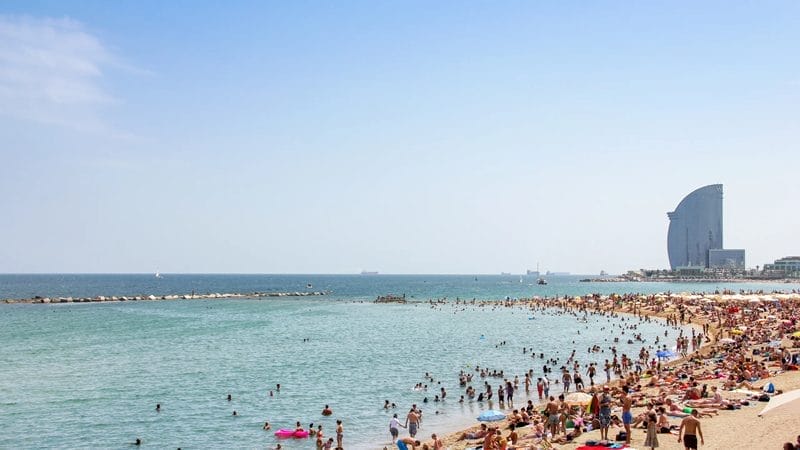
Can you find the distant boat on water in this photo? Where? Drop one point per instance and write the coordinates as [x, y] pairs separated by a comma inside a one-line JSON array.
[[505, 273], [309, 286], [158, 274], [367, 272], [541, 281]]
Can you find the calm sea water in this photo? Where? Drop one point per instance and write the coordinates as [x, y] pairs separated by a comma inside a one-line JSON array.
[[90, 375]]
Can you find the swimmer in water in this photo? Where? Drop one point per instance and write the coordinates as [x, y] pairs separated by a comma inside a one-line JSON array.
[[267, 426], [158, 407], [326, 411]]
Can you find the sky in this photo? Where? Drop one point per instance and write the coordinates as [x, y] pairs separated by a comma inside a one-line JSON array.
[[401, 137]]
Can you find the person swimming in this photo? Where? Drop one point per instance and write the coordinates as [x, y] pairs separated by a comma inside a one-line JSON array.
[[326, 411]]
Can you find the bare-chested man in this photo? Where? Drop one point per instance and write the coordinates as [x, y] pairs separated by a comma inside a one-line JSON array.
[[553, 416], [627, 417], [412, 422], [404, 443], [690, 429]]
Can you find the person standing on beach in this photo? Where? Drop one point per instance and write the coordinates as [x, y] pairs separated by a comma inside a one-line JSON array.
[[412, 422], [627, 417], [652, 437], [339, 434], [546, 386], [540, 387], [394, 424], [553, 416], [692, 429], [566, 378], [605, 413]]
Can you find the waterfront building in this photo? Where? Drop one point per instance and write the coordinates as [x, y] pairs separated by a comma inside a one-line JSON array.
[[719, 258], [695, 227], [694, 239], [788, 266]]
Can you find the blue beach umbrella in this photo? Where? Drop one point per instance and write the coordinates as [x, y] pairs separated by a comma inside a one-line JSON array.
[[491, 415], [665, 354]]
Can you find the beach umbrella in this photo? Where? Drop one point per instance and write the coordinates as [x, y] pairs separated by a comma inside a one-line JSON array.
[[577, 398], [737, 332], [491, 416], [787, 402], [726, 341], [796, 334], [665, 354]]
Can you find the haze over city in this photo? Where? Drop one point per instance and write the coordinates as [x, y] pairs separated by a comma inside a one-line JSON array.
[[413, 137]]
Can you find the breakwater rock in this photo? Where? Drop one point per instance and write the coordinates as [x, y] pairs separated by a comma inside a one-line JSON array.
[[193, 296]]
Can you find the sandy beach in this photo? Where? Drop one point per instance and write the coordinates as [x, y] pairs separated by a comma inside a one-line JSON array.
[[740, 329]]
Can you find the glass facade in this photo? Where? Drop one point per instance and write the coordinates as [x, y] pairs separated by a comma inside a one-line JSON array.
[[725, 258], [695, 227]]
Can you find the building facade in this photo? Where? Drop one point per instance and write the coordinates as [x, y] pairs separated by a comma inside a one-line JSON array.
[[695, 227], [787, 267], [719, 258]]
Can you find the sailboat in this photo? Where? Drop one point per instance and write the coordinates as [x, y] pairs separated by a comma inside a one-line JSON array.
[[158, 274]]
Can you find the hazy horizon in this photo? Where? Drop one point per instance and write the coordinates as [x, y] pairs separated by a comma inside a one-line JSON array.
[[409, 138]]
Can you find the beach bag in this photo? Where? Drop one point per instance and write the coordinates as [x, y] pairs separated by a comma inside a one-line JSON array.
[[621, 436]]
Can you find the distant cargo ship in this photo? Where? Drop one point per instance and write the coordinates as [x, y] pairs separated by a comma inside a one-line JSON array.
[[505, 273], [532, 273], [557, 274], [367, 272]]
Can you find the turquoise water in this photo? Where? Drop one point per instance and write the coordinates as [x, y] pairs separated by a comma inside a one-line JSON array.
[[90, 375]]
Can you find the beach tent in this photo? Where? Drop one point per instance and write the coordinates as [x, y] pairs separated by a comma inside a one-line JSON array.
[[787, 402], [577, 398], [491, 415]]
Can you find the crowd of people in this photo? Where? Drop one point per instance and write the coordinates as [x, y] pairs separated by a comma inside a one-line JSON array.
[[744, 340]]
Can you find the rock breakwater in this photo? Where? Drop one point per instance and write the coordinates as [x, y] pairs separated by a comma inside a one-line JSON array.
[[192, 296]]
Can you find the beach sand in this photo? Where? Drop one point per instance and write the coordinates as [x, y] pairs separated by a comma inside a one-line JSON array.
[[730, 429]]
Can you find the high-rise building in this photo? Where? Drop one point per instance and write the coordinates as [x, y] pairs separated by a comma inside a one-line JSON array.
[[695, 227]]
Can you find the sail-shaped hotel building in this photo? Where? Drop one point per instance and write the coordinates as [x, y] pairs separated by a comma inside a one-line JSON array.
[[694, 238]]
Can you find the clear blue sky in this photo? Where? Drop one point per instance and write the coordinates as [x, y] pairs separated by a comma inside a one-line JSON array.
[[404, 137]]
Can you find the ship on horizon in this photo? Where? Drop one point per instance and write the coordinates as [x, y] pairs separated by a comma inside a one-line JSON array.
[[369, 272]]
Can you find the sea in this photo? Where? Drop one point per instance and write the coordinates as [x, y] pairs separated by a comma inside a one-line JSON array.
[[89, 375]]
